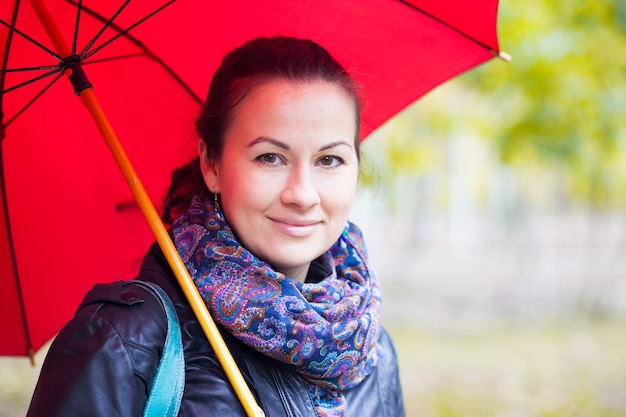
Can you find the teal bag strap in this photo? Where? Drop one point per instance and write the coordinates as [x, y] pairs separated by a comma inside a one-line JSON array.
[[167, 389]]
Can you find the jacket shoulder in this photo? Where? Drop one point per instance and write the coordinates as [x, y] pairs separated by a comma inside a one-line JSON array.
[[379, 394], [133, 312], [105, 358]]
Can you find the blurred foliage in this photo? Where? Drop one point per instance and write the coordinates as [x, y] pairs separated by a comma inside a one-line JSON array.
[[558, 106]]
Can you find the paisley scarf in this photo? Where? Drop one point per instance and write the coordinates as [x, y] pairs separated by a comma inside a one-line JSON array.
[[326, 331]]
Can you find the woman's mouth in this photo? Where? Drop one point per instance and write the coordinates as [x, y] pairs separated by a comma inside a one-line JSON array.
[[296, 228]]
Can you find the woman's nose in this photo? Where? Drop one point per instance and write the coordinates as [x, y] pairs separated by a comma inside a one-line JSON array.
[[300, 189]]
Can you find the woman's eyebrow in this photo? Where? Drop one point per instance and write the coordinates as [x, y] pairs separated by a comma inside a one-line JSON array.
[[265, 139], [335, 144], [283, 145]]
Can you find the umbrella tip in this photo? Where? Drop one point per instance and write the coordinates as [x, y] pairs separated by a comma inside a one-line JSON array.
[[500, 54], [504, 56], [31, 355]]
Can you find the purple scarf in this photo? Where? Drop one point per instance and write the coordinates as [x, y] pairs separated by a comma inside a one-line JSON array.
[[326, 331]]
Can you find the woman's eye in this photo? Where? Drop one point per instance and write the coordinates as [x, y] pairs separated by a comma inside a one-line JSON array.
[[269, 158], [330, 161]]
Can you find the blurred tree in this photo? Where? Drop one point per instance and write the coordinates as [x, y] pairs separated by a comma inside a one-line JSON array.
[[560, 103]]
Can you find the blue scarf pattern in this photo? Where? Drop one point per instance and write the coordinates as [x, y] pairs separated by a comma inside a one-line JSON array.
[[327, 331]]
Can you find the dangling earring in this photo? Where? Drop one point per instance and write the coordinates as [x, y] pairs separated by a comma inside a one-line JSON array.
[[216, 206], [216, 203]]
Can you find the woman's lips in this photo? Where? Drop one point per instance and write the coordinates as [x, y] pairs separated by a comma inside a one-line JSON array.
[[296, 228]]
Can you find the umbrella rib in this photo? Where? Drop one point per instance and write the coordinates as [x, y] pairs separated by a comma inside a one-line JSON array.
[[114, 58], [76, 26], [27, 105], [18, 287], [23, 69], [5, 59], [457, 30], [12, 29], [5, 208], [125, 31], [148, 52], [32, 80], [108, 23]]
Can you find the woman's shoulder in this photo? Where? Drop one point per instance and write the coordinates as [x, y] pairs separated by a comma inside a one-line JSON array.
[[129, 313], [380, 394], [388, 357], [121, 304], [105, 358]]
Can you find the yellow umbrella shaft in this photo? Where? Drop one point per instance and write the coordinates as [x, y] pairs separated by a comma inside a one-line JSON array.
[[145, 204]]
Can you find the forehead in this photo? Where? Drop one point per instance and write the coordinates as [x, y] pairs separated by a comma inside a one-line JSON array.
[[281, 88], [285, 104]]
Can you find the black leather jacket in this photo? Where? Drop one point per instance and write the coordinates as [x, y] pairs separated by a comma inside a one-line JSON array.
[[103, 361]]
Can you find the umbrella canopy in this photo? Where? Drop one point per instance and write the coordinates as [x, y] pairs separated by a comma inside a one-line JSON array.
[[68, 218]]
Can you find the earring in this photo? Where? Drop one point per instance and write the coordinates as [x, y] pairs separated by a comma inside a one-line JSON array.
[[216, 204]]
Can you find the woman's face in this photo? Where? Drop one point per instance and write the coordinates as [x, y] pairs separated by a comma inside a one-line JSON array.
[[288, 172]]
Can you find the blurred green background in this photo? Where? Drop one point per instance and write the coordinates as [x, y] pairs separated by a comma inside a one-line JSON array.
[[494, 210]]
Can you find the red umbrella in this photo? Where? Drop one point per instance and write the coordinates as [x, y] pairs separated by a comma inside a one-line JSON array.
[[69, 219]]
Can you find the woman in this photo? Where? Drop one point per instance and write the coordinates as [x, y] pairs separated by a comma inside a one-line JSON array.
[[260, 219]]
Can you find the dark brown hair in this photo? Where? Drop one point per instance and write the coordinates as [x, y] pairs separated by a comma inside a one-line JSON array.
[[244, 68]]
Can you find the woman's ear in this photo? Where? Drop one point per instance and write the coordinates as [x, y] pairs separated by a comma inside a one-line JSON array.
[[209, 168]]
